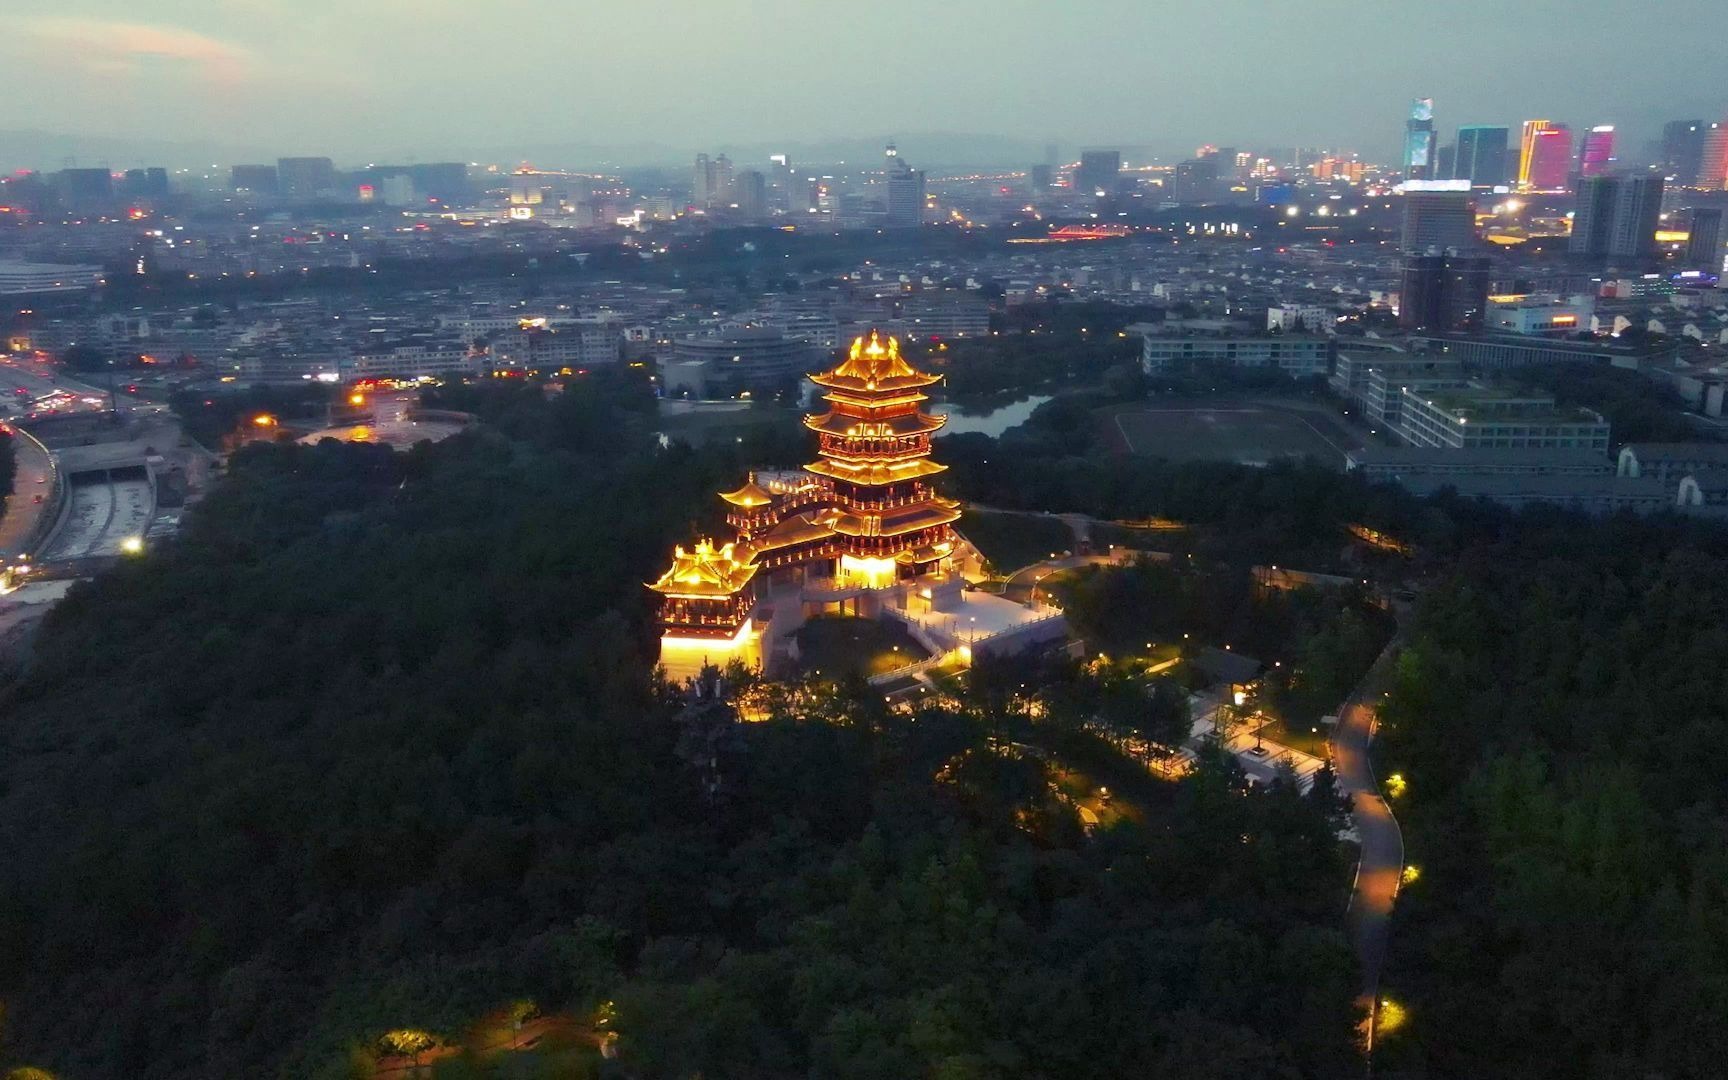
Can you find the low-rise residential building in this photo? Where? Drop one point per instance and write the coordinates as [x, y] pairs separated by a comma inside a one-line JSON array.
[[1481, 416], [412, 358], [1704, 491], [730, 363], [554, 344], [1594, 494], [1398, 463], [1669, 462], [1310, 317], [943, 317], [1296, 355], [1540, 315], [25, 278], [1383, 388], [1495, 351]]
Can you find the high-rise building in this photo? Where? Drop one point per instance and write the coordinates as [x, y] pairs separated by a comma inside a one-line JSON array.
[[1098, 172], [258, 179], [1196, 180], [1419, 155], [723, 178], [444, 181], [906, 192], [305, 177], [1446, 161], [1481, 155], [1546, 160], [1616, 217], [1593, 217], [1444, 293], [702, 181], [85, 186], [398, 189], [1713, 158], [1043, 176], [1437, 221], [145, 182], [1682, 151], [1597, 153], [1527, 149], [1704, 238], [750, 193]]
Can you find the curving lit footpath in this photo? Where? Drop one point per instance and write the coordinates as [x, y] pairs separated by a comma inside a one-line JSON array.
[[1382, 861]]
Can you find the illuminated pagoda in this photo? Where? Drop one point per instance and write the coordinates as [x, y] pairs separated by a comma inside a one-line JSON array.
[[849, 532]]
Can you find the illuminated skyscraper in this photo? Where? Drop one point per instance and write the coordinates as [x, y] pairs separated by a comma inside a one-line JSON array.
[[1713, 158], [1598, 151], [1481, 155], [1527, 148], [1419, 141], [1547, 156]]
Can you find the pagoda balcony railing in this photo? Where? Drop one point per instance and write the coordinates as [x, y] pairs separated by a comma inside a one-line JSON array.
[[834, 588], [800, 499], [876, 506], [718, 627]]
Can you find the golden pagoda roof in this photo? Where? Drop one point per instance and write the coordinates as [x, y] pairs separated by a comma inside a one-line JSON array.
[[795, 530], [927, 553], [913, 423], [899, 521], [705, 572], [874, 365], [875, 472], [750, 496]]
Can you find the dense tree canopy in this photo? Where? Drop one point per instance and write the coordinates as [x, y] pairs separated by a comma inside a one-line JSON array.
[[1555, 719], [375, 748]]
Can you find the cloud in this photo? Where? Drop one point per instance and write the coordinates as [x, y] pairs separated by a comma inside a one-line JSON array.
[[111, 47]]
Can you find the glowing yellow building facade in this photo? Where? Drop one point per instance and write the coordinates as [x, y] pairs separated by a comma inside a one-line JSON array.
[[861, 517]]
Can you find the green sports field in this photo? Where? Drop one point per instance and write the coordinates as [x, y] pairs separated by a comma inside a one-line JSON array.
[[1238, 431]]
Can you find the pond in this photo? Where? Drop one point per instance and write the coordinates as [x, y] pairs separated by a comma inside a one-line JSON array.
[[993, 422]]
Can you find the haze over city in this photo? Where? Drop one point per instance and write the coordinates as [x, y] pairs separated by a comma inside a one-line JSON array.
[[641, 83], [958, 540]]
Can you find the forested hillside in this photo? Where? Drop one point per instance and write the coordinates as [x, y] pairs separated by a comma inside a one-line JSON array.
[[376, 746], [1556, 719]]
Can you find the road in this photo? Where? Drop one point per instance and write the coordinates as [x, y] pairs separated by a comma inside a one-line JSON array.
[[31, 387], [102, 517], [1382, 862], [18, 523]]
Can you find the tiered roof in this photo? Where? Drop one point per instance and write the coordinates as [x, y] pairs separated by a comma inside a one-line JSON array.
[[705, 572], [874, 366], [876, 394]]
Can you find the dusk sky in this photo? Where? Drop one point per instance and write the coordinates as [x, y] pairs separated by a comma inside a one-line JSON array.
[[463, 77]]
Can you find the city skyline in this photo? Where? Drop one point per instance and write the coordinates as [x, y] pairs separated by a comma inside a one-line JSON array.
[[438, 79]]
